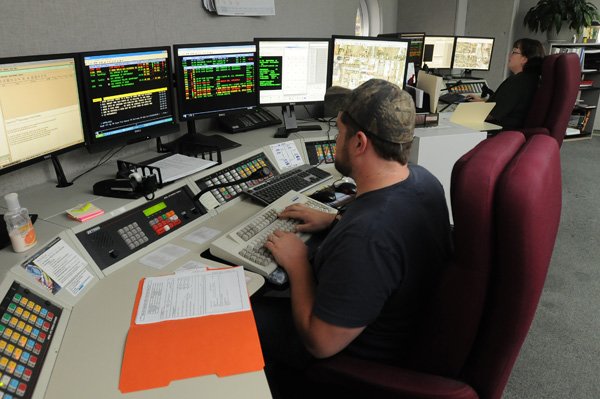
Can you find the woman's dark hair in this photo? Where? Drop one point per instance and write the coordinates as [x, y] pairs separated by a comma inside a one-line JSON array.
[[534, 51]]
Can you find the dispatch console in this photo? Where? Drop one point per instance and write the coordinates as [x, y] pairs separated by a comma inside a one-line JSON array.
[[113, 240]]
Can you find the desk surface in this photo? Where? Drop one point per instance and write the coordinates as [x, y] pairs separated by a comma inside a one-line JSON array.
[[89, 358]]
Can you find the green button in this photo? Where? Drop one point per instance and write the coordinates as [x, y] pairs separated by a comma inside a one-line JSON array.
[[6, 318], [17, 297], [2, 328], [12, 307]]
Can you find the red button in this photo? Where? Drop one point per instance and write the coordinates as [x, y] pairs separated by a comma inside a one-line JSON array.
[[50, 316], [31, 363], [37, 348], [42, 337], [27, 374]]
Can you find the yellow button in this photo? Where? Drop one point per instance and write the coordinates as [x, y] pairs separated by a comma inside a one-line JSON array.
[[10, 369]]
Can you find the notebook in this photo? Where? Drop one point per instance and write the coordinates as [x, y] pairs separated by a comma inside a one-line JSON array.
[[473, 114]]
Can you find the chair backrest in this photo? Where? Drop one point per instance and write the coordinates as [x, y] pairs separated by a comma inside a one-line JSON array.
[[443, 347], [541, 101], [527, 214], [555, 98]]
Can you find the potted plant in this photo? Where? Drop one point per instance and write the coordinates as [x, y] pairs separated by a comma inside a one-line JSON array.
[[551, 16]]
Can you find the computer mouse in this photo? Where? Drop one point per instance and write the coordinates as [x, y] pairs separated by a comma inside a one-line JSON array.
[[325, 195], [346, 188]]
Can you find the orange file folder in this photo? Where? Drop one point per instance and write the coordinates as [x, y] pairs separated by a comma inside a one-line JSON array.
[[158, 353]]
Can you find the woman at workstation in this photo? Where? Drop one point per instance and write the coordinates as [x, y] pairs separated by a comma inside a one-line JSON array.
[[514, 96]]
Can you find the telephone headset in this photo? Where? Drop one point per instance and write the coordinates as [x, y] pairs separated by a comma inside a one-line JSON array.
[[132, 187]]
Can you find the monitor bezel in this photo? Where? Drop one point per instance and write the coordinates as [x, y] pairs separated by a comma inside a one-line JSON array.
[[290, 39], [473, 37], [451, 56], [48, 155], [179, 81], [363, 38], [97, 145]]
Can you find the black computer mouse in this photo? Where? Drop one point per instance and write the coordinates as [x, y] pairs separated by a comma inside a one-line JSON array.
[[325, 195], [346, 188]]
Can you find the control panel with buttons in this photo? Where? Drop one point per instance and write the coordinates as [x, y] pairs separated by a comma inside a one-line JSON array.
[[234, 173], [26, 330], [124, 234]]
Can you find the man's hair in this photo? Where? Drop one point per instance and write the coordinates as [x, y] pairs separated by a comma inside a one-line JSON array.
[[385, 149]]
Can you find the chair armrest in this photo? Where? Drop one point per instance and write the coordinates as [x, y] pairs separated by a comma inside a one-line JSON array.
[[350, 371], [530, 131]]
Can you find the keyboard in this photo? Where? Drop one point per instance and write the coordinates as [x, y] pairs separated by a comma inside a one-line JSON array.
[[244, 244], [254, 118], [297, 179], [452, 98]]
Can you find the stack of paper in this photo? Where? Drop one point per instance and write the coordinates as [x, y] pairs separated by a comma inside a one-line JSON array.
[[83, 212]]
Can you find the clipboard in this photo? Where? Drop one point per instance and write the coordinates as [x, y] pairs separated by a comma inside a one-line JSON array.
[[158, 353]]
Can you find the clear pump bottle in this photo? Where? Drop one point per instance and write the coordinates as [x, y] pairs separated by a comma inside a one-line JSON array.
[[18, 223]]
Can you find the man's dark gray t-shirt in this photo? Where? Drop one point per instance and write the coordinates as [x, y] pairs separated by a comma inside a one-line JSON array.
[[378, 265]]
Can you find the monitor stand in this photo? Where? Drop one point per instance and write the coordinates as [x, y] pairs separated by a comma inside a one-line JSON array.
[[60, 174], [290, 124], [193, 139]]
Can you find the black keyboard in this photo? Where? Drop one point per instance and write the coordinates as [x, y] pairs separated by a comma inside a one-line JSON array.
[[255, 118], [453, 98], [298, 179]]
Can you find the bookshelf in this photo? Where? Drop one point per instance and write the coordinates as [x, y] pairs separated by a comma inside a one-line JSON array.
[[583, 118]]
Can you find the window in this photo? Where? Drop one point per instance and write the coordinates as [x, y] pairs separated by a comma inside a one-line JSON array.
[[368, 18]]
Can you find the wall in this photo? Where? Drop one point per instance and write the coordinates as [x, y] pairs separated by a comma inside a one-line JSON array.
[[44, 27], [435, 17], [494, 19]]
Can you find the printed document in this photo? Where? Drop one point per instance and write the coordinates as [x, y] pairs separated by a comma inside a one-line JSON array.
[[177, 166], [193, 294]]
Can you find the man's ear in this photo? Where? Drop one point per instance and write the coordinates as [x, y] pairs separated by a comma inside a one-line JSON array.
[[361, 141]]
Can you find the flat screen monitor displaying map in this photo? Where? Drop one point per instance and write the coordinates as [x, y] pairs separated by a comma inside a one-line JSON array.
[[437, 52], [473, 53], [358, 59]]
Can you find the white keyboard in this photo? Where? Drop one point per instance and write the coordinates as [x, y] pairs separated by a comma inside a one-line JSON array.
[[244, 244]]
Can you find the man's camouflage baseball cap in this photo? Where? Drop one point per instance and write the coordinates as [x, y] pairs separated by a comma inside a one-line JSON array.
[[382, 109]]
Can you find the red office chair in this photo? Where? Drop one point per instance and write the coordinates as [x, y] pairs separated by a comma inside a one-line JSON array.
[[510, 219], [555, 98]]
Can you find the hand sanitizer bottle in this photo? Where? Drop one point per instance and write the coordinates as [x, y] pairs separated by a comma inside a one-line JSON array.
[[18, 223]]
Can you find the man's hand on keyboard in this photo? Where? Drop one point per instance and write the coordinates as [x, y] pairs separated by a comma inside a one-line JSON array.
[[287, 249], [312, 220], [474, 98]]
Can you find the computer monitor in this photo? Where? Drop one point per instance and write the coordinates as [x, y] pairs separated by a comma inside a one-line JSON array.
[[128, 96], [40, 115], [289, 72], [357, 59], [437, 52], [415, 49], [214, 79], [473, 53]]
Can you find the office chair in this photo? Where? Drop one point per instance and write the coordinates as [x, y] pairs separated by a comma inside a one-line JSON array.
[[472, 350], [554, 100]]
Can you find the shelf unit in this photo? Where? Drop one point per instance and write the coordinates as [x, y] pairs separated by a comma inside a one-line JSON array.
[[583, 118]]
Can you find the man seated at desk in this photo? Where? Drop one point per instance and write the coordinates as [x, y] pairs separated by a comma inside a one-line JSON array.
[[362, 291]]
